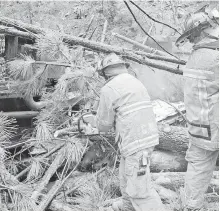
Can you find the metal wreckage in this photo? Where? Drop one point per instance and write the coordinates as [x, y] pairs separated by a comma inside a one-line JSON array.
[[48, 90]]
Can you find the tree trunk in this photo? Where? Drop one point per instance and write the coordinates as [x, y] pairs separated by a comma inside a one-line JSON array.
[[22, 26], [169, 155], [172, 138], [168, 161]]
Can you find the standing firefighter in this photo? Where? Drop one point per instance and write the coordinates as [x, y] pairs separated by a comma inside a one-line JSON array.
[[201, 95], [126, 106]]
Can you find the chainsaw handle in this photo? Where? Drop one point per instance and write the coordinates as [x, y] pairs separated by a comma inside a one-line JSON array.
[[81, 118]]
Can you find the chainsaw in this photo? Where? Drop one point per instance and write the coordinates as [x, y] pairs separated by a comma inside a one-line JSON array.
[[82, 125]]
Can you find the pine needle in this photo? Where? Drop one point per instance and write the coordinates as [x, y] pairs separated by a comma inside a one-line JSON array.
[[21, 197], [92, 194], [44, 131], [36, 171], [8, 128], [21, 69], [73, 151]]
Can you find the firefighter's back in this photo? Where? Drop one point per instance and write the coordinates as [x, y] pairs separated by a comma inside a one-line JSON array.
[[135, 120]]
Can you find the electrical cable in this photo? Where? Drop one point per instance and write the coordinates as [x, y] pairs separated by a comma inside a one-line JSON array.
[[146, 32]]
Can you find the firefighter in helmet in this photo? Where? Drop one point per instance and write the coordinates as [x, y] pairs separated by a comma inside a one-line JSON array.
[[201, 96], [125, 105]]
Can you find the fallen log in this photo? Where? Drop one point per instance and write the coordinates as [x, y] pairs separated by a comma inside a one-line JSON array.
[[173, 138], [49, 173], [161, 58], [168, 161], [22, 26], [128, 54], [99, 47], [139, 45], [175, 180], [14, 32]]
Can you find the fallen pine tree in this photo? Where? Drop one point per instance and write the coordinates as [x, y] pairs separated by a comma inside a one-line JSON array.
[[62, 155], [29, 32]]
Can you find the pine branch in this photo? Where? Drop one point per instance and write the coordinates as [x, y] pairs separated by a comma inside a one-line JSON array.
[[7, 128], [104, 31], [49, 173], [44, 156]]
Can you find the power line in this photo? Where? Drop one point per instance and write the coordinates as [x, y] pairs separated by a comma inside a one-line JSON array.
[[155, 19], [145, 31]]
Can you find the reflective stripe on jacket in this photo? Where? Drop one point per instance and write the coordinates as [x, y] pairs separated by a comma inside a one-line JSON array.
[[201, 96], [125, 105]]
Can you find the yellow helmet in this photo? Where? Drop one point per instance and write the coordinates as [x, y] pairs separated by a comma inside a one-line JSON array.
[[111, 60], [197, 22]]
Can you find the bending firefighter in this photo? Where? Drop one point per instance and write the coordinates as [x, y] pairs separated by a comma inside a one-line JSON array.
[[201, 96], [126, 106]]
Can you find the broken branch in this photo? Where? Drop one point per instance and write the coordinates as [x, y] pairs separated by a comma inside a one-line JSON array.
[[104, 31]]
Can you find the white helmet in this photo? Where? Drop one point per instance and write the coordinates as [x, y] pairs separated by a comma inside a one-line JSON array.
[[197, 22], [111, 60]]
